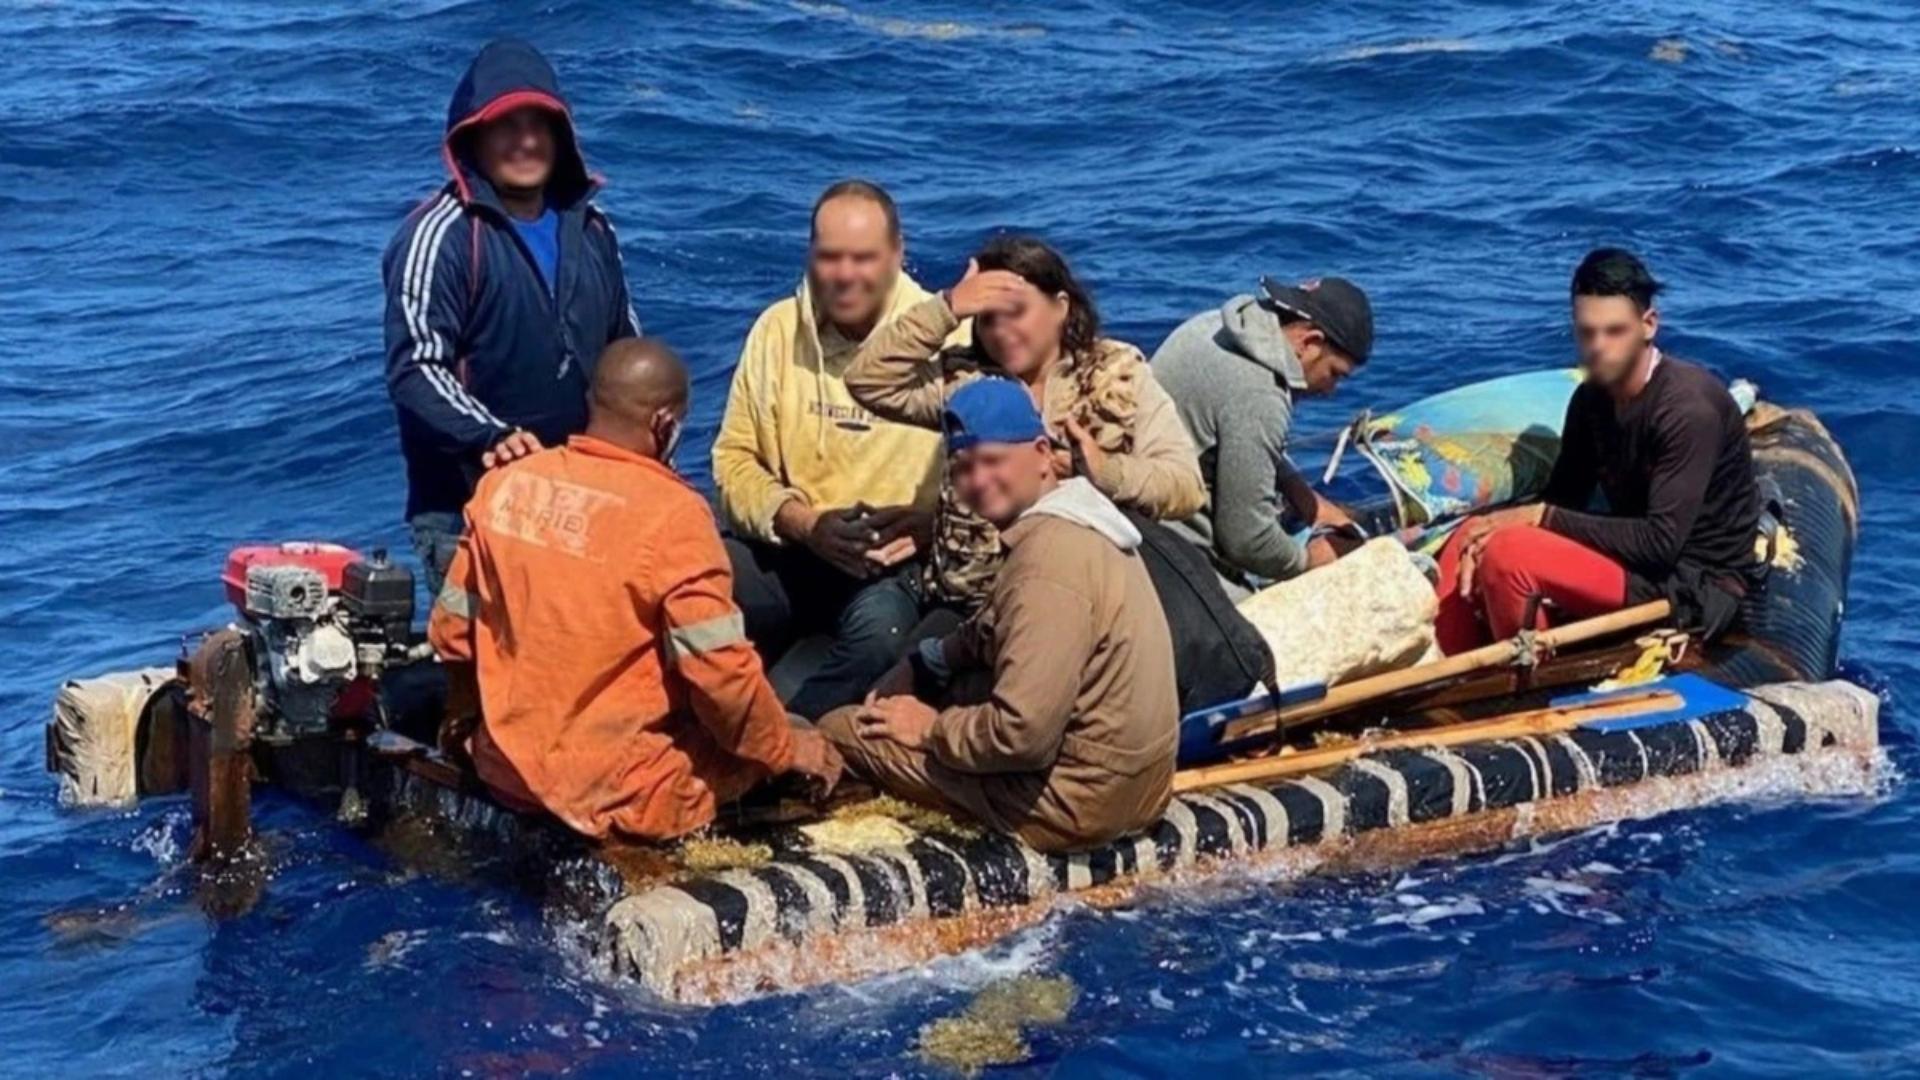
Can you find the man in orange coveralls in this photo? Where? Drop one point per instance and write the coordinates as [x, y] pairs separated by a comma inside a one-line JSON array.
[[592, 601]]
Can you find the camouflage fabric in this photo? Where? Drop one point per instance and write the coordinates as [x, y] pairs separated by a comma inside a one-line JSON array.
[[1107, 395], [1099, 390], [967, 553]]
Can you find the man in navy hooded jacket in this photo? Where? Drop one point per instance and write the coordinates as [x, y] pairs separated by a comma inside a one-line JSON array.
[[502, 290]]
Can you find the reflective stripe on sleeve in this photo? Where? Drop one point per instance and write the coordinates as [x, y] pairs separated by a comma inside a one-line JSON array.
[[456, 600], [704, 637]]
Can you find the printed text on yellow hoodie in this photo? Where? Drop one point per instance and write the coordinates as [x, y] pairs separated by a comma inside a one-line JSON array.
[[792, 430]]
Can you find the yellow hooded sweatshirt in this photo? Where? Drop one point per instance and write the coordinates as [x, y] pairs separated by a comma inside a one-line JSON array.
[[792, 430]]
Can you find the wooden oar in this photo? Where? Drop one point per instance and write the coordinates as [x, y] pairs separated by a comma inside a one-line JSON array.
[[1499, 654], [1534, 722]]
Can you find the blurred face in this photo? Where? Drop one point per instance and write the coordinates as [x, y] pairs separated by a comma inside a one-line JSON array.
[[1028, 336], [999, 481], [515, 152], [1323, 365], [853, 261], [1611, 333]]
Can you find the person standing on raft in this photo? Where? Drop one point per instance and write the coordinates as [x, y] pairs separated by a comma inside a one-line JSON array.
[[590, 601], [1664, 443], [501, 291], [1058, 694]]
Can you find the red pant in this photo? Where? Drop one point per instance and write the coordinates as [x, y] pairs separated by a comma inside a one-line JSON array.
[[1521, 562]]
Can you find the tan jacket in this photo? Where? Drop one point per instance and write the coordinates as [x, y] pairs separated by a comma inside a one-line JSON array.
[[907, 369], [1080, 728]]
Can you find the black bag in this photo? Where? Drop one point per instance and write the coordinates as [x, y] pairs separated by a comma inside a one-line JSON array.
[[1217, 654], [1709, 602]]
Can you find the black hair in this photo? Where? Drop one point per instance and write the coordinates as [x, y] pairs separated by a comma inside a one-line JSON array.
[[1616, 272], [859, 189], [1045, 269]]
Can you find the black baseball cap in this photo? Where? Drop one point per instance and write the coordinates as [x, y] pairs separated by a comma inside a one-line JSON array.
[[1335, 305]]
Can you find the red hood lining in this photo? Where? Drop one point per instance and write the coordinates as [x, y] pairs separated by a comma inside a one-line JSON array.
[[495, 109]]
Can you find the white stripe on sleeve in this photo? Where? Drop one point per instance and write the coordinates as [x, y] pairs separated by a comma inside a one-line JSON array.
[[416, 290], [427, 234]]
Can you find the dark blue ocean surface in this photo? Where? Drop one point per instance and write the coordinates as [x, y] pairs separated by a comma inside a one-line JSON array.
[[193, 200]]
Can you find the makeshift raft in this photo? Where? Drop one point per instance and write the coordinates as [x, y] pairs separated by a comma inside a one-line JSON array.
[[810, 916], [813, 915], [1435, 760]]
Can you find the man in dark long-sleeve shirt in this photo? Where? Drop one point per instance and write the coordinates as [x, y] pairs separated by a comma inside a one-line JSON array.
[[1662, 442]]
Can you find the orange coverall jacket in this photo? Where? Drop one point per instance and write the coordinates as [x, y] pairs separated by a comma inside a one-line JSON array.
[[593, 599]]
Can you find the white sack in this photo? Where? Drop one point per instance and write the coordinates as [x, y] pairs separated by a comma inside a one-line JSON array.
[[1367, 613]]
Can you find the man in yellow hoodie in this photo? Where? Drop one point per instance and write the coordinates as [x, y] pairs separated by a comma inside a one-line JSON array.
[[828, 505]]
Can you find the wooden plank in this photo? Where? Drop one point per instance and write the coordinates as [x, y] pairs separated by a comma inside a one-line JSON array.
[[1534, 722], [1346, 696], [1584, 668]]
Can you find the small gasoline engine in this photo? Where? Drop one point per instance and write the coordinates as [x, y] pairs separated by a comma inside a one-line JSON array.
[[324, 624]]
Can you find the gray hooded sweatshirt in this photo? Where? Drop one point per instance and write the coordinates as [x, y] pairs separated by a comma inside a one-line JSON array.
[[1232, 376]]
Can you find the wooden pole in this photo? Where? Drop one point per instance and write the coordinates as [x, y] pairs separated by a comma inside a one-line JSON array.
[[222, 709], [1345, 696], [1535, 722]]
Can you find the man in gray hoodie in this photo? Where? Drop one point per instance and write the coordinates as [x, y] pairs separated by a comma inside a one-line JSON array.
[[1233, 375]]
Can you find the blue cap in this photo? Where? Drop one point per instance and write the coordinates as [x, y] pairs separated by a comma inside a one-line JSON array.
[[991, 411]]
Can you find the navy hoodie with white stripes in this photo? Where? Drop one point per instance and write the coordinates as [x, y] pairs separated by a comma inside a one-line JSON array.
[[476, 345]]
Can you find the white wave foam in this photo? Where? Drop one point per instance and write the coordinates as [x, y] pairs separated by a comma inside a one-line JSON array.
[[391, 949], [161, 837], [925, 30], [1023, 953], [1423, 912], [1410, 48], [1547, 894]]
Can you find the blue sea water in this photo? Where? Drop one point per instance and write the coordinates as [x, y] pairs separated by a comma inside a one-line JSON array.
[[193, 199]]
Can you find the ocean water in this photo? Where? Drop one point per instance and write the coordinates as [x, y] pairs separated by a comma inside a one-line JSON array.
[[193, 199]]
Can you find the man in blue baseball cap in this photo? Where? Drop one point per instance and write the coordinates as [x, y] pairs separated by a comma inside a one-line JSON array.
[[1051, 714]]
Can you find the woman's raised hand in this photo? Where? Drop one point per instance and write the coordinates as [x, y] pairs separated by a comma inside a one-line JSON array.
[[986, 292]]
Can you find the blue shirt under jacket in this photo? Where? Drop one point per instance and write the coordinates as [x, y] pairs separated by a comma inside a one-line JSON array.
[[542, 237]]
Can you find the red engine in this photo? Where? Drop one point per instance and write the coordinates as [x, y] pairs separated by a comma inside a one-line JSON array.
[[324, 622], [330, 561]]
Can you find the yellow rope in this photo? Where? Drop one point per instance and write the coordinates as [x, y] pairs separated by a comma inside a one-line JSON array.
[[1656, 652]]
